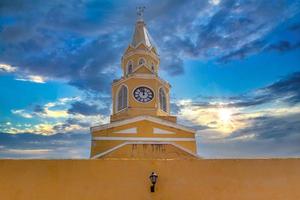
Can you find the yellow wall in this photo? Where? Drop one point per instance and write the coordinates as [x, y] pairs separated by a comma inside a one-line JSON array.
[[144, 129], [180, 179], [149, 151]]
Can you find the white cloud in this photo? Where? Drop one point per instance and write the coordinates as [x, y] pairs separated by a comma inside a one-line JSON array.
[[22, 113], [222, 120], [61, 102], [7, 68], [215, 2], [29, 151], [53, 113], [32, 78]]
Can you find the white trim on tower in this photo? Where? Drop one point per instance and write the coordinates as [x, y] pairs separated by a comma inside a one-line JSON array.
[[126, 143], [140, 118], [154, 139]]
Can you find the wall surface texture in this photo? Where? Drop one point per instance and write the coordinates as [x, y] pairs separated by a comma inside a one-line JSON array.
[[267, 179]]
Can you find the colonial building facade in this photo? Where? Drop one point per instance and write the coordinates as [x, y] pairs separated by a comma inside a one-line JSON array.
[[141, 125]]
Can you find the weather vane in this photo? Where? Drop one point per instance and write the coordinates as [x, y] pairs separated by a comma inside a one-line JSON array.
[[140, 12]]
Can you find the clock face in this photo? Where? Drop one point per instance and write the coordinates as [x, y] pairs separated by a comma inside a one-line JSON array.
[[143, 94]]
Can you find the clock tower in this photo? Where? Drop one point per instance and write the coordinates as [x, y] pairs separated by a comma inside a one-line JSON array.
[[140, 91], [141, 109]]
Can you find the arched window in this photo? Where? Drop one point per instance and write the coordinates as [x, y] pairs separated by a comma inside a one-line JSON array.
[[141, 61], [122, 98], [162, 100], [129, 67]]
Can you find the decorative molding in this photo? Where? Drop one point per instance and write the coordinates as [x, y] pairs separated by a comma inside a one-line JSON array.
[[138, 142], [160, 139], [140, 118], [143, 65], [161, 131], [143, 76], [128, 131], [135, 51]]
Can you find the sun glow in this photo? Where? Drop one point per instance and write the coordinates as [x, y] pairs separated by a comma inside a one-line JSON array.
[[225, 115]]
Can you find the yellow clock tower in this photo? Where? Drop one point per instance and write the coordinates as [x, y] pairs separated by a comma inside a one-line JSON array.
[[141, 125]]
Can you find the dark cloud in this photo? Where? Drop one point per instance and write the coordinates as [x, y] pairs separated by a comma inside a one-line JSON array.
[[57, 40], [74, 121], [244, 51], [276, 128], [284, 46], [259, 46], [82, 42], [39, 109], [286, 90], [59, 146], [232, 30], [87, 109], [295, 27], [267, 136]]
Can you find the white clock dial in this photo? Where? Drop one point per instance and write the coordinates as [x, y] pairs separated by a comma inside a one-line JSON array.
[[143, 94]]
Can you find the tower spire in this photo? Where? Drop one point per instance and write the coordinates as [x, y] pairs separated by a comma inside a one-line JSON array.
[[141, 34], [140, 13]]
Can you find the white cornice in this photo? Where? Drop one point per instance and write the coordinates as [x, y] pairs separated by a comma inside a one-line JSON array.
[[143, 76], [140, 118], [143, 52], [140, 66], [153, 139]]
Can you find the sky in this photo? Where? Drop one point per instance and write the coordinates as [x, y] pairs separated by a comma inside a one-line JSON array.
[[234, 67]]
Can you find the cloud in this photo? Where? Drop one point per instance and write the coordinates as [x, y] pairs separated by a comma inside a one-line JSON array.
[[59, 49], [226, 115], [22, 113], [243, 52], [59, 146], [283, 46], [87, 109], [295, 27], [286, 90], [261, 123], [39, 109], [65, 115], [82, 43], [264, 137], [272, 127], [32, 78], [7, 68], [222, 31]]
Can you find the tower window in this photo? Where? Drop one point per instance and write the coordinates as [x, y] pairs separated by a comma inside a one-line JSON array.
[[162, 100], [141, 61], [122, 98], [129, 67]]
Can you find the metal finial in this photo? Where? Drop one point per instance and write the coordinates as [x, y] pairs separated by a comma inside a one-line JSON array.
[[140, 12]]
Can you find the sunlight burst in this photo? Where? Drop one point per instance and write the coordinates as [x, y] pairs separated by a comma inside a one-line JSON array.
[[225, 115]]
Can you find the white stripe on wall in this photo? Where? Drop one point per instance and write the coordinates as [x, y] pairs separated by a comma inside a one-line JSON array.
[[143, 139]]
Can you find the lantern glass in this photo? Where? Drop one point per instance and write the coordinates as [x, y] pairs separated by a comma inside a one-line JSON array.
[[153, 177]]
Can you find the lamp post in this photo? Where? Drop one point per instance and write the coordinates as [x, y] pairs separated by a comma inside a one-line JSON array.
[[153, 178]]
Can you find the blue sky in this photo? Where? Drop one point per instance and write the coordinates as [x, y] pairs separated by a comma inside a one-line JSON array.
[[234, 67]]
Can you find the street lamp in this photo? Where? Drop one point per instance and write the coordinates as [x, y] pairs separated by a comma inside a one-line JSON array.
[[153, 178]]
